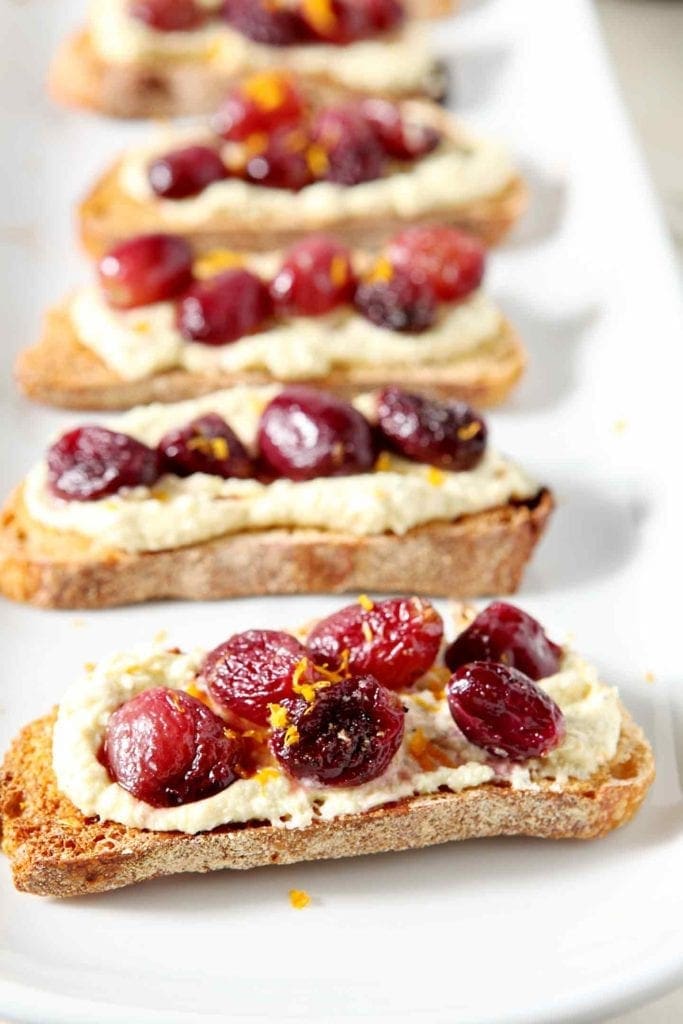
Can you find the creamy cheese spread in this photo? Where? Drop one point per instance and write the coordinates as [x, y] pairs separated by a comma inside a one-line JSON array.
[[591, 710], [139, 342], [176, 511], [398, 64], [454, 174]]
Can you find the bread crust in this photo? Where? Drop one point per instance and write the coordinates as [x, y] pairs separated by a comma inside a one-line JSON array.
[[79, 77], [55, 851], [108, 215], [60, 370], [475, 555]]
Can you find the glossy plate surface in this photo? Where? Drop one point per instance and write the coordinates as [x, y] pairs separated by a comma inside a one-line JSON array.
[[511, 930]]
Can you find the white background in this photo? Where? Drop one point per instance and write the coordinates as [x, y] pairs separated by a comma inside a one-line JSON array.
[[509, 931]]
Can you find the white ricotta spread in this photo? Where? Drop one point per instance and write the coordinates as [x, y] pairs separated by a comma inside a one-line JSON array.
[[137, 343], [397, 64], [591, 711], [176, 512], [452, 175]]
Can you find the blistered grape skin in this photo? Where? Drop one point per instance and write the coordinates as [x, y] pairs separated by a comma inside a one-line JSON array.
[[346, 736], [450, 260], [316, 277], [282, 161], [350, 144], [185, 172], [396, 640], [446, 434], [145, 269], [400, 139], [252, 670], [304, 434], [223, 308], [167, 748], [262, 103], [92, 462], [502, 632], [399, 303], [205, 445], [504, 712]]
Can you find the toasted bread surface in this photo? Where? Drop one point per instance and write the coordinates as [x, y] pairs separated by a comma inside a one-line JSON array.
[[108, 214], [55, 851], [79, 77], [60, 370], [475, 555]]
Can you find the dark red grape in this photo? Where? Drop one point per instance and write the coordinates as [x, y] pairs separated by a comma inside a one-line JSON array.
[[503, 632], [397, 301], [452, 261], [224, 308], [252, 670], [185, 172], [396, 640], [450, 434], [316, 276], [305, 434], [168, 748], [206, 445], [145, 269], [92, 462], [503, 711], [346, 736]]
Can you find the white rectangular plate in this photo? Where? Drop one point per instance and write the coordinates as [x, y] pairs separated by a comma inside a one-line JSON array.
[[511, 930]]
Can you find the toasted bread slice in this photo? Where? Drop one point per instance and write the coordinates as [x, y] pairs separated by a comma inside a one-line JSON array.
[[55, 851], [109, 214], [478, 554], [80, 77], [61, 371]]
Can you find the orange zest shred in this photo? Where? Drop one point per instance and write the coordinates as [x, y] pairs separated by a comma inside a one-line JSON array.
[[264, 775], [277, 716], [215, 447], [305, 690], [427, 754], [367, 632], [320, 14], [291, 736], [193, 691], [142, 327], [256, 143], [469, 430], [338, 270], [216, 260], [318, 164], [159, 494], [296, 141], [383, 463], [175, 701], [267, 89], [382, 271], [365, 602], [299, 898], [436, 477]]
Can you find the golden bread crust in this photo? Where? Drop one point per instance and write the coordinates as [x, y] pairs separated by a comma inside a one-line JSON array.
[[79, 77], [108, 215], [60, 370], [55, 851], [475, 555]]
